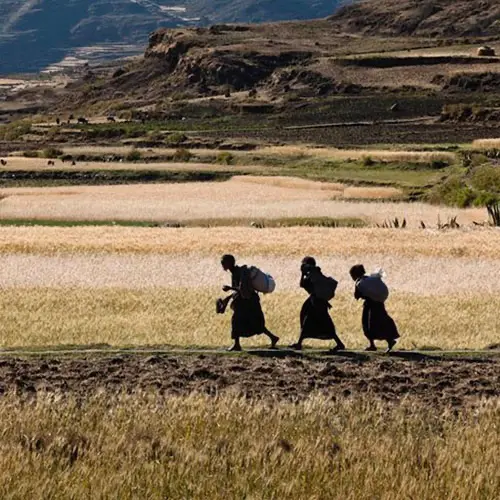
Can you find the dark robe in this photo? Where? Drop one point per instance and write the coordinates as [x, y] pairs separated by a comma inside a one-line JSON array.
[[315, 320], [248, 319], [377, 324]]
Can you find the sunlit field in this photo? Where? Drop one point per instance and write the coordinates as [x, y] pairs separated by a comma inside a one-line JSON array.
[[145, 446], [143, 286], [257, 197]]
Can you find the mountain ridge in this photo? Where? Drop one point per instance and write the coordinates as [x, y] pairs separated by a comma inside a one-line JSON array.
[[38, 33]]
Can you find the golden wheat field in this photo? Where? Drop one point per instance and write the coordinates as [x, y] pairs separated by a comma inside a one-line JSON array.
[[138, 286], [146, 446], [240, 197]]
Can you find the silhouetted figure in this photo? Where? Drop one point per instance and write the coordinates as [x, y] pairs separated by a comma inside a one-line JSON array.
[[58, 121], [3, 162], [248, 319], [377, 324], [315, 320]]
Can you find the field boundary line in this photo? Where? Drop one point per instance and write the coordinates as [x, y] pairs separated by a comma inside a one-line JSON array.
[[249, 351]]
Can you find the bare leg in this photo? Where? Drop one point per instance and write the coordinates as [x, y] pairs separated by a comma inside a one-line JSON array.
[[273, 338], [390, 344]]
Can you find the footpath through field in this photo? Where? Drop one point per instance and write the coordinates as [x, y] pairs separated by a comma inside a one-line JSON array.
[[436, 378]]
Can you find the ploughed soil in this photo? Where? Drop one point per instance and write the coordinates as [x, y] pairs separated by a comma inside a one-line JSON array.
[[427, 379]]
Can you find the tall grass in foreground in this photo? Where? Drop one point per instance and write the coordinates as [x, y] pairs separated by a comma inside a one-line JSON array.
[[144, 446]]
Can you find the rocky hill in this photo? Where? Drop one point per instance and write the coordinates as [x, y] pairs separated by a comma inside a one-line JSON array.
[[421, 17], [37, 33]]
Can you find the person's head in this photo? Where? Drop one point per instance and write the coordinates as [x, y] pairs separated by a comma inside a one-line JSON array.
[[357, 271], [307, 263], [228, 262]]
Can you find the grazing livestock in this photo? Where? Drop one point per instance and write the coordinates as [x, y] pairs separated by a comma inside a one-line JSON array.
[[82, 120], [3, 162], [111, 119]]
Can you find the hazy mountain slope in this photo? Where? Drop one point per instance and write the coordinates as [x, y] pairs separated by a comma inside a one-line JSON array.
[[254, 11], [36, 33]]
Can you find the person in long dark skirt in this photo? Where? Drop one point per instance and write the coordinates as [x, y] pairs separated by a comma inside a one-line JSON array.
[[377, 324], [315, 319], [248, 319]]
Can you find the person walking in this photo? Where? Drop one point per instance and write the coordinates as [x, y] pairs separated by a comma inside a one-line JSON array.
[[377, 324], [315, 319], [248, 319]]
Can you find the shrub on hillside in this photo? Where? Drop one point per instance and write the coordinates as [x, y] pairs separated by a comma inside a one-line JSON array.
[[52, 152], [183, 155], [225, 158], [134, 155]]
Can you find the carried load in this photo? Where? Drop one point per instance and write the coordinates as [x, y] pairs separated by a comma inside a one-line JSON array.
[[324, 286], [261, 281], [373, 287]]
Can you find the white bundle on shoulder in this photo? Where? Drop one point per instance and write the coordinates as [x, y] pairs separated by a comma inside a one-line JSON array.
[[373, 287], [378, 273]]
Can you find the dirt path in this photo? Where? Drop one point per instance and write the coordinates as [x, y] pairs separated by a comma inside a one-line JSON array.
[[434, 379]]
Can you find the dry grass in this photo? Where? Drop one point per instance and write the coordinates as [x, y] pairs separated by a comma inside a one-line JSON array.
[[291, 242], [486, 143], [356, 154], [235, 198], [304, 151], [145, 446], [186, 317]]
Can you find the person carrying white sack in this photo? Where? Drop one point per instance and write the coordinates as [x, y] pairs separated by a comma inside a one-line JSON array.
[[248, 319], [377, 324]]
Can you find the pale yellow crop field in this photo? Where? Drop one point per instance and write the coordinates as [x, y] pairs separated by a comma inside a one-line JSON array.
[[486, 143], [41, 164], [240, 197]]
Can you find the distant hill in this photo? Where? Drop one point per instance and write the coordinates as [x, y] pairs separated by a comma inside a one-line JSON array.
[[443, 18], [37, 33]]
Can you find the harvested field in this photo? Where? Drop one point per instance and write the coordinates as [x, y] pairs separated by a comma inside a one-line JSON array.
[[236, 198]]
